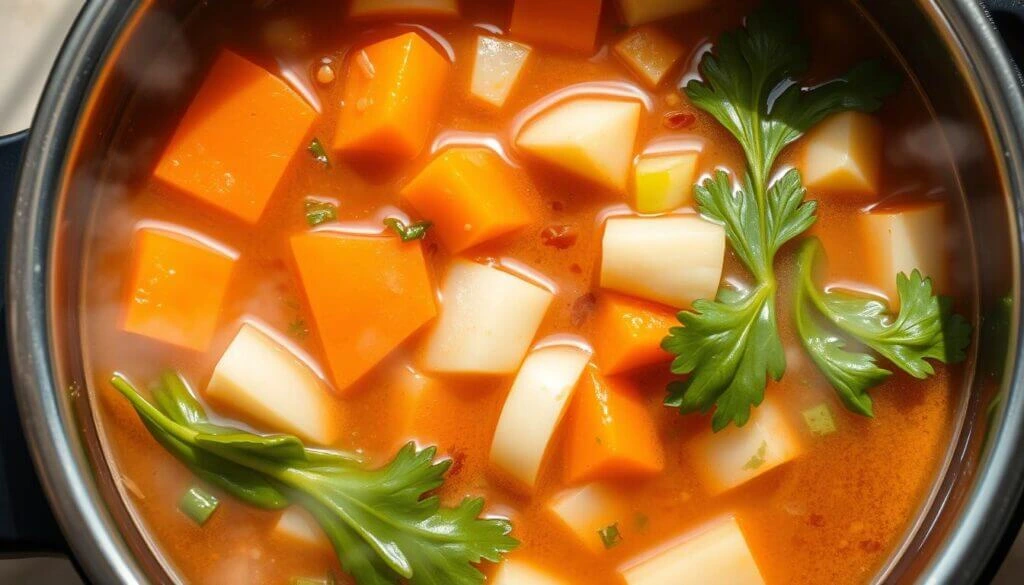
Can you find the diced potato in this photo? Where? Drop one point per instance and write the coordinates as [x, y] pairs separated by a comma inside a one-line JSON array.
[[664, 182], [497, 67], [367, 295], [392, 95], [403, 8], [905, 238], [259, 378], [718, 555], [587, 510], [640, 11], [650, 53], [569, 24], [590, 137], [611, 433], [237, 138], [488, 319], [296, 524], [534, 407], [628, 333], [737, 455], [844, 154], [512, 572], [471, 196], [176, 289], [673, 260]]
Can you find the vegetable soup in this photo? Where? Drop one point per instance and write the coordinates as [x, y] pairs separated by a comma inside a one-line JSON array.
[[633, 292]]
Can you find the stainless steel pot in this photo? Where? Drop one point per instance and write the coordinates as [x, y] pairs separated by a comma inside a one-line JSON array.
[[952, 47]]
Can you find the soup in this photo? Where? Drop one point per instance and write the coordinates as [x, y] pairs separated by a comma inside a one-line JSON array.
[[530, 293]]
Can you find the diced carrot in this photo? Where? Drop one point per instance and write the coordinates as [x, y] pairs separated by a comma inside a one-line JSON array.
[[628, 333], [176, 289], [367, 294], [470, 195], [611, 434], [393, 92], [236, 139], [571, 24]]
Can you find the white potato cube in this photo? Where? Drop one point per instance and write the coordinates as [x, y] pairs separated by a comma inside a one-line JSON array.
[[488, 319], [664, 182], [402, 8], [903, 239], [844, 154], [260, 378], [297, 524], [533, 409], [674, 259], [520, 573], [496, 68], [650, 53], [640, 11], [716, 555], [587, 510], [590, 137], [737, 455]]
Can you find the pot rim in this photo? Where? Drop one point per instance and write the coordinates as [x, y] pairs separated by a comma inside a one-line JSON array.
[[58, 452]]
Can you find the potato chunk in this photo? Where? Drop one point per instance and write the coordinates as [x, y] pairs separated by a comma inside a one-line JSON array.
[[640, 11], [512, 572], [403, 8], [737, 455], [903, 239], [497, 67], [844, 154], [587, 510], [262, 380], [488, 319], [649, 53], [664, 182], [673, 260], [590, 137], [534, 408], [717, 555]]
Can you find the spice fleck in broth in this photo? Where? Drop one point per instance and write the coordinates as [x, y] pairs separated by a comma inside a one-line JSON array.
[[520, 293]]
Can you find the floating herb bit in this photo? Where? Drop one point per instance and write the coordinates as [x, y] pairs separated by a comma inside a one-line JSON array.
[[198, 504], [318, 212], [298, 329], [819, 420], [408, 233], [757, 459], [316, 148], [610, 535]]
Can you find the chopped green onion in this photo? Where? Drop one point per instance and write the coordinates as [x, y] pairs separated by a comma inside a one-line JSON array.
[[198, 504], [408, 233], [316, 148], [757, 459], [819, 420], [610, 535], [318, 212]]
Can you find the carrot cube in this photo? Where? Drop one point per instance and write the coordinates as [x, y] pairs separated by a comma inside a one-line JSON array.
[[628, 333], [611, 434], [367, 294], [236, 139], [470, 196], [393, 92], [176, 289], [570, 24]]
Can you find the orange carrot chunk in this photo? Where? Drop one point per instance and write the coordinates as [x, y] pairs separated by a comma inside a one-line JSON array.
[[628, 333], [367, 294], [393, 91], [236, 139], [470, 195], [570, 24], [611, 434], [176, 288]]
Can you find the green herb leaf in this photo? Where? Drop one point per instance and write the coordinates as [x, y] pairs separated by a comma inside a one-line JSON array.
[[318, 212], [316, 148], [408, 233], [198, 504], [757, 459], [610, 535], [384, 527], [731, 346]]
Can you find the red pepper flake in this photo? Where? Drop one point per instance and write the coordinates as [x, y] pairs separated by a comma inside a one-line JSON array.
[[559, 236], [582, 308], [678, 119], [458, 457]]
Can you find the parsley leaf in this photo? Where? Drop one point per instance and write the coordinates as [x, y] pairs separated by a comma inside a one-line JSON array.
[[318, 212], [731, 346], [610, 535], [316, 148], [408, 233], [384, 527], [757, 459]]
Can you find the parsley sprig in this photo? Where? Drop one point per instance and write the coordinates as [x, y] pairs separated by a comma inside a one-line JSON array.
[[384, 528], [925, 328], [730, 346]]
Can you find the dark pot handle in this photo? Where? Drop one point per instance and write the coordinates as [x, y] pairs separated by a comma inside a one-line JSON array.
[[27, 526], [1008, 16]]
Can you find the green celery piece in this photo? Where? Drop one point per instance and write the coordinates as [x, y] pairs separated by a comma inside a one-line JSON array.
[[198, 504], [383, 528], [819, 420], [319, 212], [316, 148]]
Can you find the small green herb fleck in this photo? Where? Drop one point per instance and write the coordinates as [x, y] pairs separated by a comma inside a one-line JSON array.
[[298, 329], [757, 459], [408, 233], [316, 148], [610, 536], [318, 212], [198, 504], [819, 420]]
